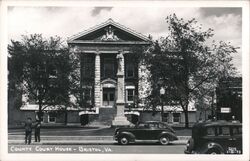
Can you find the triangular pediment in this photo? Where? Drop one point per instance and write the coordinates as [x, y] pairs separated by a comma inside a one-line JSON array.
[[109, 31]]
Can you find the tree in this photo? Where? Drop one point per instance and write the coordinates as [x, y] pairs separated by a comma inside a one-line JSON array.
[[39, 68], [186, 65]]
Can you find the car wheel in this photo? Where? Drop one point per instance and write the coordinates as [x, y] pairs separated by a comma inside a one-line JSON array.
[[213, 151], [164, 140], [123, 140]]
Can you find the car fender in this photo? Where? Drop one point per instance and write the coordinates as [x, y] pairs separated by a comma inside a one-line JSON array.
[[129, 134], [169, 134], [212, 145]]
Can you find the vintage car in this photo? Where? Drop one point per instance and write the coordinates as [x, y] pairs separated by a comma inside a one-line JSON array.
[[215, 137], [145, 131]]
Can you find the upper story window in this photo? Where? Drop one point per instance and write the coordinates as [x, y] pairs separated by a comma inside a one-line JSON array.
[[109, 71], [52, 72], [41, 68], [130, 71], [87, 65]]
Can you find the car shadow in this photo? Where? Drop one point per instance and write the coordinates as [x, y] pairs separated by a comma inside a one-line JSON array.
[[144, 143]]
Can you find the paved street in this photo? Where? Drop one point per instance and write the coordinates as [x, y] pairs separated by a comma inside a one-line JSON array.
[[88, 140], [135, 148], [84, 131]]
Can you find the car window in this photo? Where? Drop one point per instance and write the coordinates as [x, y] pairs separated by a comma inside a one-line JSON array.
[[210, 131], [223, 131], [162, 126], [240, 130], [236, 130], [152, 125], [142, 125]]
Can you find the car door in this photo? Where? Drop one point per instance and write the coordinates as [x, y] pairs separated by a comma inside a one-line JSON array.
[[152, 132], [235, 146], [223, 137], [140, 131]]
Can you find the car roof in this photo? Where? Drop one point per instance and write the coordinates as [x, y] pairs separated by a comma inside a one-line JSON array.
[[218, 123]]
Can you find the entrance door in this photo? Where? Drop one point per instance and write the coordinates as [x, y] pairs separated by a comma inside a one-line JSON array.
[[108, 96]]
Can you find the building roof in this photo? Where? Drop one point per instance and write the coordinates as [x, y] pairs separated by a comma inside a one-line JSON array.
[[109, 22]]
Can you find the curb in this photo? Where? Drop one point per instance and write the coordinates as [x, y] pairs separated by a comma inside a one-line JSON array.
[[85, 142]]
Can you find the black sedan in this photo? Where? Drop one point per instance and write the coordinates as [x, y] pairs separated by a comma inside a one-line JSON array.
[[146, 131]]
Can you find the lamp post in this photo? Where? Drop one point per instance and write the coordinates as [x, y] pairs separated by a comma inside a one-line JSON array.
[[162, 92]]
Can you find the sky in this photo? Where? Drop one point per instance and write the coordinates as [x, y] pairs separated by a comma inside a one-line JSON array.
[[67, 21]]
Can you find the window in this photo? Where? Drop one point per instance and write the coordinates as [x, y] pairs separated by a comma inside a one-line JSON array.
[[130, 95], [210, 131], [87, 95], [87, 65], [142, 125], [52, 72], [109, 68], [240, 130], [52, 117], [41, 68], [236, 130], [165, 117], [223, 131], [153, 125], [130, 71], [161, 125], [176, 117]]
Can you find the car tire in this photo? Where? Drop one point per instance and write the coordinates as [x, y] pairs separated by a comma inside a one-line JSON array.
[[123, 140], [213, 151], [164, 140]]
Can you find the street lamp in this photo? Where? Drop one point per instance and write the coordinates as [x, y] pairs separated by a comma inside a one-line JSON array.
[[162, 92]]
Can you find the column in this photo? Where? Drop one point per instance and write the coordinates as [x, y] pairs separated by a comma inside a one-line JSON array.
[[120, 119], [97, 79]]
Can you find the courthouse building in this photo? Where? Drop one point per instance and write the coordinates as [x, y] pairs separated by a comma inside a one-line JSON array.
[[110, 72]]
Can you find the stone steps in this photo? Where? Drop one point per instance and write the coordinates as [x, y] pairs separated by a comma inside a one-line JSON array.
[[106, 115]]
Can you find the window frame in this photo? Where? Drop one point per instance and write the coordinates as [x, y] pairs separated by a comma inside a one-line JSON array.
[[89, 90], [127, 95], [128, 68], [108, 61], [173, 118], [49, 117]]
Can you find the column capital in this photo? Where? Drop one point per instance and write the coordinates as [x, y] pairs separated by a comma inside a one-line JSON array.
[[97, 52], [77, 50], [120, 51]]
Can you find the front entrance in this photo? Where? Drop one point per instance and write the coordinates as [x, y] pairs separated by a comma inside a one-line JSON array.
[[108, 97]]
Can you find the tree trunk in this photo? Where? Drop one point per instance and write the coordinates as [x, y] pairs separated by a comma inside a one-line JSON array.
[[186, 119], [39, 114], [65, 117]]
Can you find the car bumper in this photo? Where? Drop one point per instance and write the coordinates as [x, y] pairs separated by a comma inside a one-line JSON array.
[[187, 152], [191, 152], [115, 138]]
